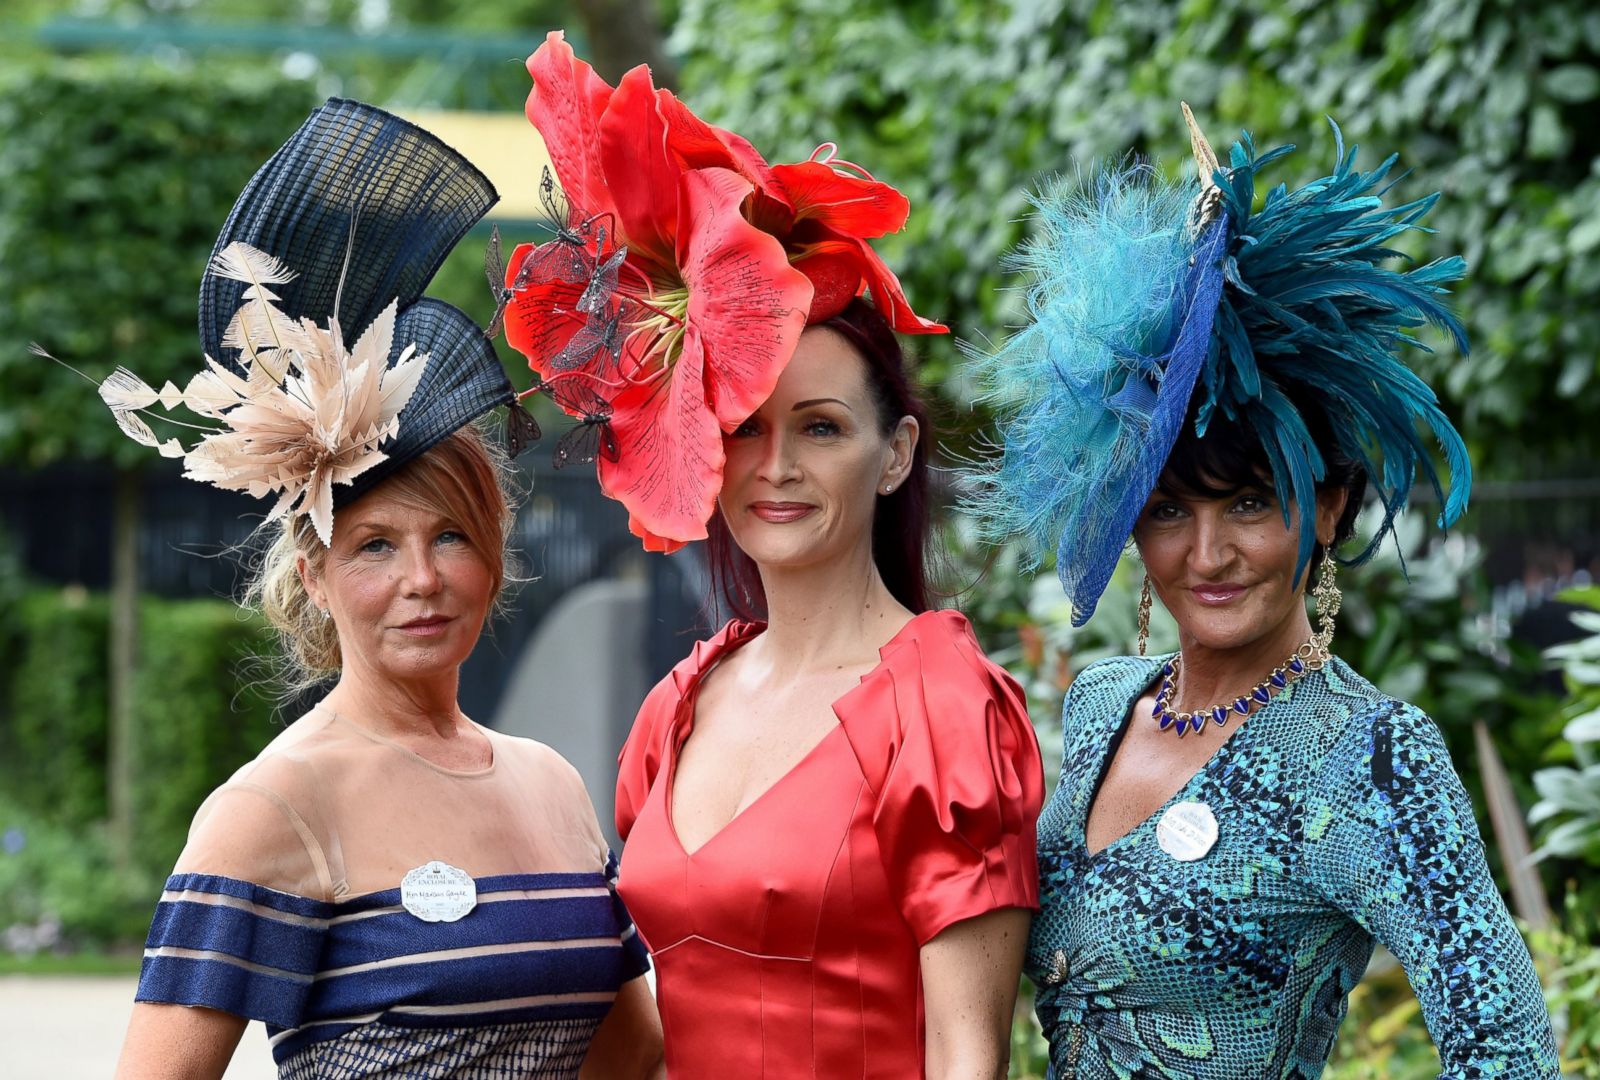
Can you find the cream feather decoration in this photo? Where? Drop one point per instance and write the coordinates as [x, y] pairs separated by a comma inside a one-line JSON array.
[[307, 414]]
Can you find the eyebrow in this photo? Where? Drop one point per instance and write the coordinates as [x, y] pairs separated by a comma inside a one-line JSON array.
[[806, 404]]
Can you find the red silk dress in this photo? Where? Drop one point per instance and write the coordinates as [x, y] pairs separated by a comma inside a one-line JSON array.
[[787, 945]]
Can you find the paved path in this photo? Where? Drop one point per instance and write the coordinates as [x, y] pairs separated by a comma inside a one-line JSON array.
[[69, 1027]]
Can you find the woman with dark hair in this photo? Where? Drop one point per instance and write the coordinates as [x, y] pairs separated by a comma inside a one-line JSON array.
[[828, 808], [829, 805], [900, 522], [1238, 823]]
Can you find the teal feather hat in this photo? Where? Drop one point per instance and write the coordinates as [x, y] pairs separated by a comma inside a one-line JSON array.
[[1150, 300]]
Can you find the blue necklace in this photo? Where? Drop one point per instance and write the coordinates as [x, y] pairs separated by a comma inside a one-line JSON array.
[[1308, 657]]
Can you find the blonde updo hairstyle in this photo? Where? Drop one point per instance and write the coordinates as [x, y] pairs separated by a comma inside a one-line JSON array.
[[465, 478]]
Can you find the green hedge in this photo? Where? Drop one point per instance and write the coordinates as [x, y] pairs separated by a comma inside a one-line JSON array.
[[199, 717], [115, 175], [55, 727]]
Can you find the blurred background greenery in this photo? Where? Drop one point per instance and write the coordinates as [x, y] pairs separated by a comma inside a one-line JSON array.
[[127, 128]]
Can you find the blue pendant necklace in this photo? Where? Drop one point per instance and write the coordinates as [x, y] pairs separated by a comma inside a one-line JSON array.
[[1308, 657]]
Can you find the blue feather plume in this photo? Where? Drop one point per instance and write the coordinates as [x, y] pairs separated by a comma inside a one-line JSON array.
[[1131, 315], [1090, 394], [1310, 302]]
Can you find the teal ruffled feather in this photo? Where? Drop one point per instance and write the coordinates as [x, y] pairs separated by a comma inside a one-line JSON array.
[[1078, 391], [1309, 301]]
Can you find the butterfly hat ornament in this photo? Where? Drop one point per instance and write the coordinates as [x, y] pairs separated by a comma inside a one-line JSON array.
[[325, 368], [1150, 301], [681, 271]]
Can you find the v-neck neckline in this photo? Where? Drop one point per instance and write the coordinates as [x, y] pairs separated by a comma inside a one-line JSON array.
[[1114, 745], [684, 728]]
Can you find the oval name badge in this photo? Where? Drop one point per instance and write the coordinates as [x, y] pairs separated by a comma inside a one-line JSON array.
[[1187, 831], [438, 892]]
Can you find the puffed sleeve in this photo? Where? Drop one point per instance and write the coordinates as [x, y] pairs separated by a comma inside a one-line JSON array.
[[945, 743], [235, 929], [1391, 841]]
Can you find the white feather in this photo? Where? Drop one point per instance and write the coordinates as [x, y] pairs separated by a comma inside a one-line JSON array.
[[241, 262]]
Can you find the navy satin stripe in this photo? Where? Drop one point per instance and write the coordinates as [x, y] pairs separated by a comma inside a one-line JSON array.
[[215, 928], [299, 1040], [215, 984], [463, 982], [635, 958], [256, 894], [390, 897], [382, 937]]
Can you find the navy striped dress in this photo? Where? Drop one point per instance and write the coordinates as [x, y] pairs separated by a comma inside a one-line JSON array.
[[273, 911]]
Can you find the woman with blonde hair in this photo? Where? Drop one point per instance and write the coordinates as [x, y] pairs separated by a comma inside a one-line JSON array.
[[393, 889]]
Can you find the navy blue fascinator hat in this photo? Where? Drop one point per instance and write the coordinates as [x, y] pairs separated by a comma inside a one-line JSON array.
[[362, 208], [326, 369], [1150, 300]]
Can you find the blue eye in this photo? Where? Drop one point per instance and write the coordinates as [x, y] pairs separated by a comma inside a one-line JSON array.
[[745, 430], [450, 536], [376, 546], [822, 428]]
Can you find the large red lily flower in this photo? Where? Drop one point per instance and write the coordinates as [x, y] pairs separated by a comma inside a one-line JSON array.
[[823, 209], [713, 309], [726, 260]]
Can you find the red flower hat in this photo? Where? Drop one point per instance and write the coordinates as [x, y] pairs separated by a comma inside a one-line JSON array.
[[683, 271]]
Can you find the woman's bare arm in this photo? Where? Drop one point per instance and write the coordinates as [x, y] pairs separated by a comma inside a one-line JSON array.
[[969, 987], [628, 1043], [178, 1042]]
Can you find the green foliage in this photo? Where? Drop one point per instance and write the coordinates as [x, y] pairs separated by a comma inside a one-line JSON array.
[[1573, 992], [195, 722], [115, 178], [963, 103], [55, 734], [194, 726], [1567, 817], [1383, 1037], [1569, 796], [63, 881]]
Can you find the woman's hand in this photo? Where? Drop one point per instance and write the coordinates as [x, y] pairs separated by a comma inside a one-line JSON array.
[[628, 1042], [969, 988], [178, 1042]]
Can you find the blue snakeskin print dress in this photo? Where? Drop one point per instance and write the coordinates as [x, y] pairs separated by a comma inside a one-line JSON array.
[[1341, 822]]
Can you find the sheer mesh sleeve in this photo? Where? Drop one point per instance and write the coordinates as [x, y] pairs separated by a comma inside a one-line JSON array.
[[241, 921], [1391, 840]]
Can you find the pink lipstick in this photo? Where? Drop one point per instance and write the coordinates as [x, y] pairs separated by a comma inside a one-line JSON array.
[[780, 513], [428, 626], [1218, 595]]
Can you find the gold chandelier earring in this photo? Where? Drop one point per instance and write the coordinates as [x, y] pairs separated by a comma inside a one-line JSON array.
[[1328, 599], [1144, 615]]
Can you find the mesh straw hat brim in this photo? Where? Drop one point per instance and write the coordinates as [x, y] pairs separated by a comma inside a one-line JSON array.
[[364, 207]]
